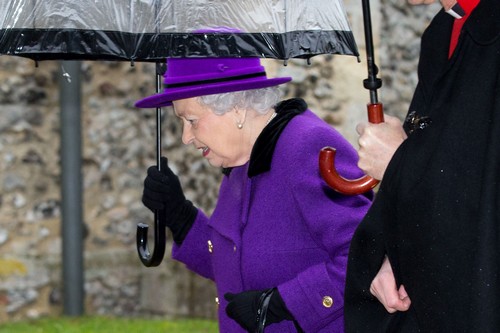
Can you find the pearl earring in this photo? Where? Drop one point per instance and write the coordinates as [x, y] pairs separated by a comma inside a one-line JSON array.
[[240, 125]]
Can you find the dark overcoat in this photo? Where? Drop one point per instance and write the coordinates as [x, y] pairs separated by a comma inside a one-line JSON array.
[[437, 213]]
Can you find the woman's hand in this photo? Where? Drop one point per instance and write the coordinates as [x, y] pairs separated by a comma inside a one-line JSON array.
[[377, 144], [162, 189], [245, 308], [163, 194], [384, 288]]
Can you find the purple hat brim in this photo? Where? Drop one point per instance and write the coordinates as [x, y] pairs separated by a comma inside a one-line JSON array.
[[166, 97]]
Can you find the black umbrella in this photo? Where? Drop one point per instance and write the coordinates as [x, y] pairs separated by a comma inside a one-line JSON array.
[[152, 30]]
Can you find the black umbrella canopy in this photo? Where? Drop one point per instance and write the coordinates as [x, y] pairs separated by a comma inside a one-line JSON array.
[[151, 30]]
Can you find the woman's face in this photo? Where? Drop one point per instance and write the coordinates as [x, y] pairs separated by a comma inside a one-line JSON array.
[[217, 137]]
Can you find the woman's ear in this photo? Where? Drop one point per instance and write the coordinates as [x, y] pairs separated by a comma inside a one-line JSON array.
[[240, 116]]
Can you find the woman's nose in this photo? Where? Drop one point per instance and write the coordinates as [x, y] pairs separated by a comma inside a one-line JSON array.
[[187, 134]]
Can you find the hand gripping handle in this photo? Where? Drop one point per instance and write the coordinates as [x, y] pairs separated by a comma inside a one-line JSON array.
[[327, 163]]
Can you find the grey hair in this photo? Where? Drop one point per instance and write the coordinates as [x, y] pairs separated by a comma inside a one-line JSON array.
[[260, 100]]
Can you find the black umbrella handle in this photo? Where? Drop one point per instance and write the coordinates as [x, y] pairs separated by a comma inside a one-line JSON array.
[[152, 259], [372, 83], [149, 259]]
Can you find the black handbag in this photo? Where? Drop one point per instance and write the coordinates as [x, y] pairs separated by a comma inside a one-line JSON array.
[[262, 311]]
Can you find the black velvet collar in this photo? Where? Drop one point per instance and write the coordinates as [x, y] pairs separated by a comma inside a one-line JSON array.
[[263, 149]]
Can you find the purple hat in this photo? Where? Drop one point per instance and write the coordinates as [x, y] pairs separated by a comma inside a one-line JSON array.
[[191, 77]]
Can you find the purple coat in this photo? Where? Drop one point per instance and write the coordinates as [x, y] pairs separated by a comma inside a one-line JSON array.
[[283, 228]]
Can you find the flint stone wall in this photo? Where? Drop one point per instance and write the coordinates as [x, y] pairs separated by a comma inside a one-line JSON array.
[[118, 146]]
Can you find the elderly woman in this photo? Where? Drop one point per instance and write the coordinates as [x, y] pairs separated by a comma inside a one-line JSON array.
[[277, 242]]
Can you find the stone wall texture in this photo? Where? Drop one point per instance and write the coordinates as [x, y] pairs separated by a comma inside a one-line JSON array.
[[118, 144]]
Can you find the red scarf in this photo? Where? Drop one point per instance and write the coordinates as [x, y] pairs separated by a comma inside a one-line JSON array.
[[468, 6]]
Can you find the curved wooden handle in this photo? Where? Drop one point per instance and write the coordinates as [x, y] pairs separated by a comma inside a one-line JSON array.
[[327, 163], [375, 113]]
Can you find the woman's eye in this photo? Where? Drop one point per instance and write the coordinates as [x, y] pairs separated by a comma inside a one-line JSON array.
[[192, 122]]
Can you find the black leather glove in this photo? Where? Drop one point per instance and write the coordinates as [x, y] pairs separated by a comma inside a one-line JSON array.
[[245, 308], [163, 194]]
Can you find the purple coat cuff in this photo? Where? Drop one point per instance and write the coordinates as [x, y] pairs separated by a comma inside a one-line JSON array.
[[315, 286]]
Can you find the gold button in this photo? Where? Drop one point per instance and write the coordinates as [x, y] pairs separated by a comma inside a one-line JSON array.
[[327, 302], [210, 246]]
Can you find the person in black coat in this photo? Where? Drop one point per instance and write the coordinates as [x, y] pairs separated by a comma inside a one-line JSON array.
[[426, 258]]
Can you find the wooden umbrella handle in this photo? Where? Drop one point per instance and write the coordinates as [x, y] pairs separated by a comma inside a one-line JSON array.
[[327, 163]]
